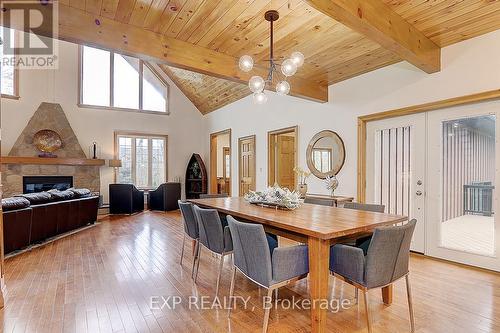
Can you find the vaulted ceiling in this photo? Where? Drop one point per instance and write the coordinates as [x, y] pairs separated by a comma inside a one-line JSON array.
[[340, 39], [206, 92]]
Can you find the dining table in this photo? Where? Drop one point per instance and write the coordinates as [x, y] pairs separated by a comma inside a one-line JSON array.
[[319, 227]]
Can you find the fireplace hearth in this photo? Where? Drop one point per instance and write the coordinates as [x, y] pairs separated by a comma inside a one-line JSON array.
[[32, 184]]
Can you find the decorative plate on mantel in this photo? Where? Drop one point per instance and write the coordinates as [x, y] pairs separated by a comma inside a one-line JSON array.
[[47, 141]]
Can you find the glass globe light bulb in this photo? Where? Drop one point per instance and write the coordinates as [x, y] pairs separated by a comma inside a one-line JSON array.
[[283, 88], [259, 98], [288, 67], [246, 63], [297, 58], [256, 84]]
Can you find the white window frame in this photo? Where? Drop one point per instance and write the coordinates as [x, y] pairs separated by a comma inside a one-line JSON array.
[[148, 136], [142, 64], [15, 95]]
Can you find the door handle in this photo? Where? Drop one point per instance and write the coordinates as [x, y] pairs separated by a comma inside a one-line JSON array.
[[419, 193]]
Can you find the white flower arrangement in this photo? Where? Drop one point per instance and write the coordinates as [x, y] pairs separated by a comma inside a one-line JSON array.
[[303, 175], [275, 196]]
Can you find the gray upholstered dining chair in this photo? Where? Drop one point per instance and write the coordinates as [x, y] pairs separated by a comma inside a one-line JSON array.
[[386, 262], [218, 195], [318, 201], [190, 228], [214, 236], [252, 257], [363, 206], [362, 242]]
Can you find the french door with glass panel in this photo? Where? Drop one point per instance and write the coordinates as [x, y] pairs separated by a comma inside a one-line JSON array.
[[395, 169], [463, 177]]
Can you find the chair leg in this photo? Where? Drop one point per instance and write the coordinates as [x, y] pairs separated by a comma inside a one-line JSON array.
[[266, 313], [221, 264], [231, 291], [198, 263], [367, 310], [356, 295], [334, 286], [195, 257], [182, 250], [410, 304]]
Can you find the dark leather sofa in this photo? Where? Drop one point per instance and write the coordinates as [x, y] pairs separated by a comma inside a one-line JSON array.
[[27, 222], [165, 197], [125, 199]]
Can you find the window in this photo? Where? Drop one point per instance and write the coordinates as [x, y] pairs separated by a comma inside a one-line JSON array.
[[322, 159], [9, 77], [144, 159], [113, 80]]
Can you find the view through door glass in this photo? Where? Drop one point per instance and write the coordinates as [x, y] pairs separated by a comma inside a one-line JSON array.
[[393, 169], [467, 183]]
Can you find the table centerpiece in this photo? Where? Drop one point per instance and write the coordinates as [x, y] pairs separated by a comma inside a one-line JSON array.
[[275, 196]]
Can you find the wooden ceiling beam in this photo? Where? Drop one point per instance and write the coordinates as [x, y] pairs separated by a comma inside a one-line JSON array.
[[378, 22], [81, 27]]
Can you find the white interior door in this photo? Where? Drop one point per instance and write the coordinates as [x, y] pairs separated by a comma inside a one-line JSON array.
[[395, 169], [462, 164]]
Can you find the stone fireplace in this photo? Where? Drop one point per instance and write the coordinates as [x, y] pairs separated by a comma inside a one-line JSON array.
[[48, 116]]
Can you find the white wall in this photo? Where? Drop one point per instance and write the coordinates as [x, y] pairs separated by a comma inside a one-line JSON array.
[[468, 67], [183, 126]]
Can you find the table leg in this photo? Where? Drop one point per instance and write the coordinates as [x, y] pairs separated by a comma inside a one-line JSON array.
[[387, 294], [319, 258]]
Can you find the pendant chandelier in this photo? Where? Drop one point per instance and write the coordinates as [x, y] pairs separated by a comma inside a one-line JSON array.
[[288, 68]]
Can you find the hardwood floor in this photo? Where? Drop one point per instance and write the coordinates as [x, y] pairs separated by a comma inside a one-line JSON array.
[[102, 280]]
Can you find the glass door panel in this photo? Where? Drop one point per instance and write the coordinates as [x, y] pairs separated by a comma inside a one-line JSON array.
[[462, 173], [468, 157]]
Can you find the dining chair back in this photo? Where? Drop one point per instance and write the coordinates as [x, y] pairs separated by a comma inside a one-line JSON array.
[[190, 229], [252, 257], [211, 231], [318, 201], [388, 255], [366, 207], [385, 262], [251, 251], [190, 223], [213, 236], [218, 195]]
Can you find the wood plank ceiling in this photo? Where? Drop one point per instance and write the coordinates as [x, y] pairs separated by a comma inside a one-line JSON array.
[[333, 52]]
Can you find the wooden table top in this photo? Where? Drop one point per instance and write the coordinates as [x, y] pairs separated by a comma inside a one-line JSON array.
[[322, 222]]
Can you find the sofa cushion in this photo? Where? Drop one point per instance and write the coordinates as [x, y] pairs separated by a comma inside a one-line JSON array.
[[57, 195], [37, 198], [14, 203], [80, 192]]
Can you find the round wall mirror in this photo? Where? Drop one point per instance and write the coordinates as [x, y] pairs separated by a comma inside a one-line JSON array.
[[325, 154]]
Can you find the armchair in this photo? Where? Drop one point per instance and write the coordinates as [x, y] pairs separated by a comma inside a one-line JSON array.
[[125, 199], [165, 197]]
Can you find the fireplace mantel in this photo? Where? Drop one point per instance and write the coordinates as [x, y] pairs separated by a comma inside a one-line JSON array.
[[51, 161]]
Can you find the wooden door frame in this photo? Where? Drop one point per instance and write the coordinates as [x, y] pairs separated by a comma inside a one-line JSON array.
[[254, 138], [432, 106], [213, 162], [294, 129]]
